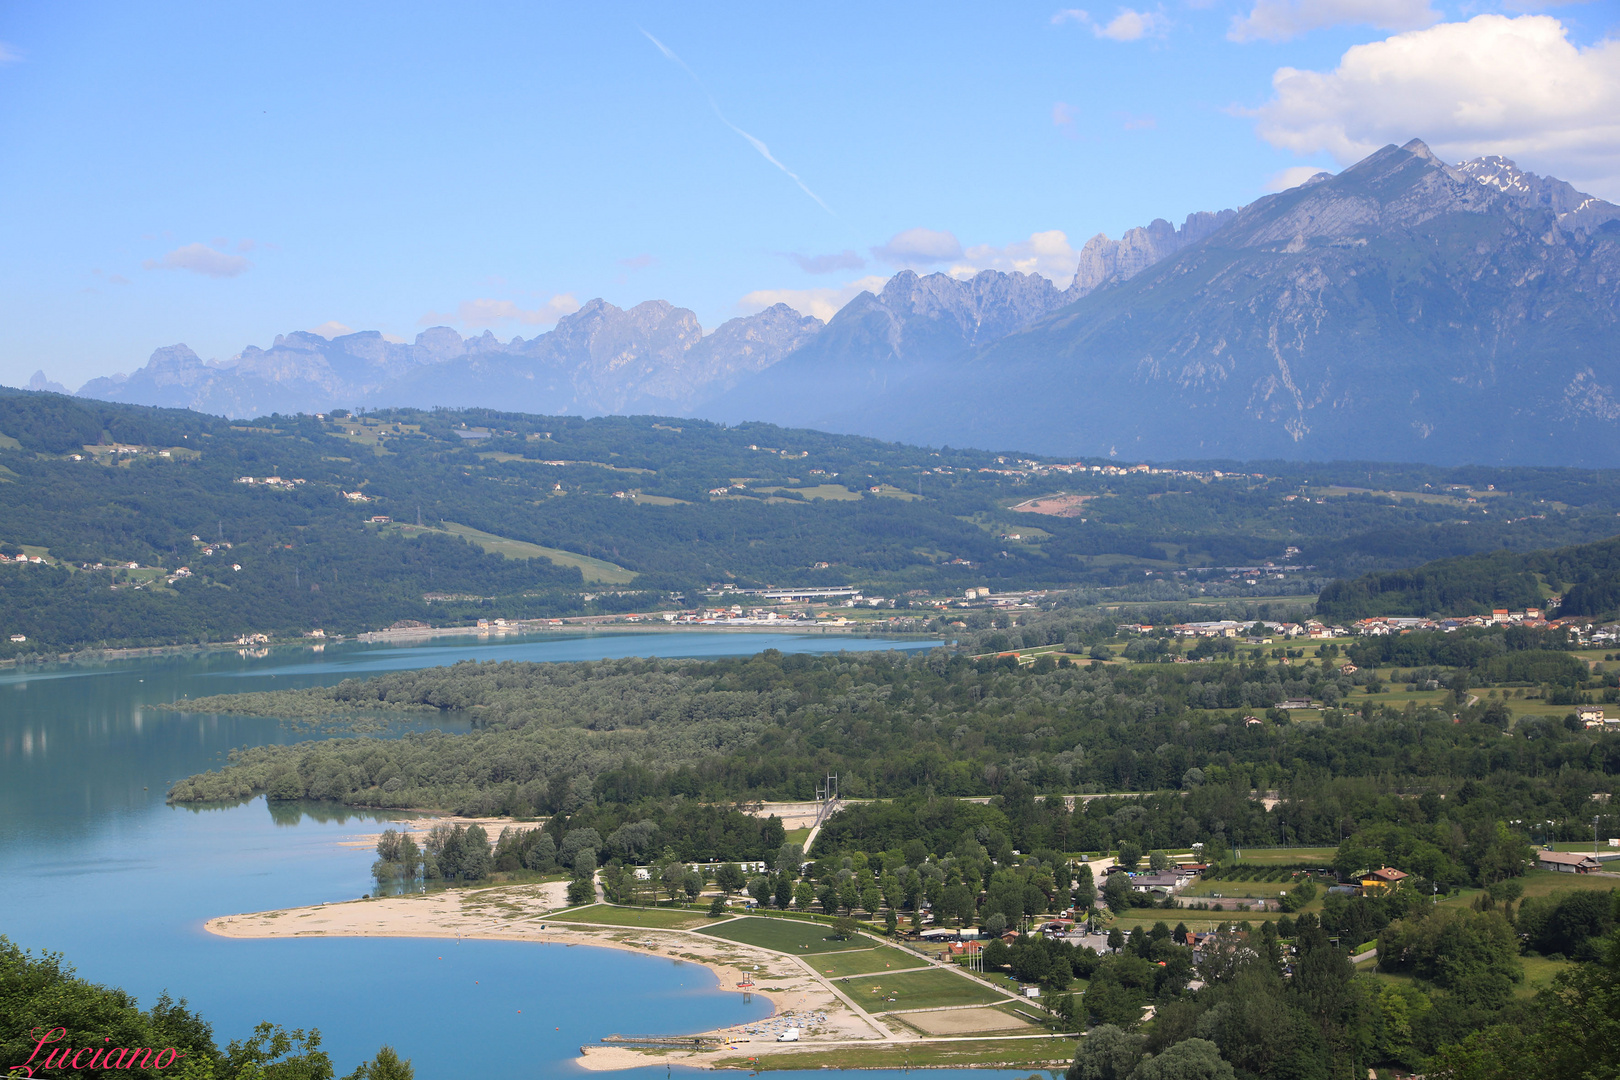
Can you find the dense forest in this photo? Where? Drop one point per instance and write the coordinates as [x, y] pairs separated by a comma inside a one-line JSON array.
[[655, 510], [643, 735], [1586, 576]]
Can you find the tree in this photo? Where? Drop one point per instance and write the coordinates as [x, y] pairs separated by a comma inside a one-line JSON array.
[[1117, 892], [804, 894], [1190, 1059], [760, 888], [1108, 1052], [1116, 938], [717, 906], [1085, 888], [729, 877], [1158, 862], [386, 1066], [1129, 854], [1473, 954], [674, 879], [845, 927]]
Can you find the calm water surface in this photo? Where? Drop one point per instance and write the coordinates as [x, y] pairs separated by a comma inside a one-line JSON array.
[[94, 865]]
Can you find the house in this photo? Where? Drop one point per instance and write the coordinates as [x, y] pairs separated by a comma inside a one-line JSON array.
[[1382, 879], [964, 948], [1567, 862], [1167, 883], [1296, 703], [1253, 721], [1347, 668], [1590, 715]]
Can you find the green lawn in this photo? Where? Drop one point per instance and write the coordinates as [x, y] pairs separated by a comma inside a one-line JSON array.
[[864, 961], [651, 918], [786, 935], [1538, 974], [1321, 856], [917, 990]]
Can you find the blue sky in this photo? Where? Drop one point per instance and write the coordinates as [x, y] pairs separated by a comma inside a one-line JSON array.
[[218, 174]]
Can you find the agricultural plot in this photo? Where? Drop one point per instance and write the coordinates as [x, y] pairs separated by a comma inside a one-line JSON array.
[[917, 990], [785, 935]]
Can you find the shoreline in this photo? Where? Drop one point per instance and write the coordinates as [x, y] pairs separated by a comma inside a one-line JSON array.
[[837, 1027], [523, 913], [428, 633]]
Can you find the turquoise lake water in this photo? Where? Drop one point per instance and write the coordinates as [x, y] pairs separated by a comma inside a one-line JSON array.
[[94, 865]]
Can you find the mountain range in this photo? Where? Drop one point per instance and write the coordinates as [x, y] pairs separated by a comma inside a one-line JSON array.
[[1404, 309]]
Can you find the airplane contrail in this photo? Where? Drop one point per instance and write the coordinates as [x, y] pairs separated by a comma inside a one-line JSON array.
[[764, 151]]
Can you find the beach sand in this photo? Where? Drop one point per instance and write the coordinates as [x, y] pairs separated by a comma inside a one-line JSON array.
[[520, 913]]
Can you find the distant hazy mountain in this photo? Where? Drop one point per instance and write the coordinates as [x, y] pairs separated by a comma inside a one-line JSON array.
[[1403, 309], [601, 359]]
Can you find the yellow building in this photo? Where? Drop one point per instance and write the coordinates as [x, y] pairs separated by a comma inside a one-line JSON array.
[[1381, 879]]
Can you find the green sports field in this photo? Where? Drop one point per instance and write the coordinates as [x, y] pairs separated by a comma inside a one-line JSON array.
[[865, 961], [917, 990], [785, 935]]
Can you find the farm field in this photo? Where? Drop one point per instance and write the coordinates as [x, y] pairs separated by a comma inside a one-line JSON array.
[[1321, 856], [866, 961], [785, 935], [917, 990], [651, 918], [594, 570]]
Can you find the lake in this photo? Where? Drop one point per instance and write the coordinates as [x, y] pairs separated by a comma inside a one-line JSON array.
[[95, 865]]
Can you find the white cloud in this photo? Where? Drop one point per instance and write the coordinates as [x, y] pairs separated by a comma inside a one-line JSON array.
[[1280, 20], [330, 329], [1126, 25], [1064, 116], [474, 314], [1046, 253], [1291, 177], [826, 264], [919, 247], [200, 259], [822, 303], [1492, 85], [9, 54], [1131, 25]]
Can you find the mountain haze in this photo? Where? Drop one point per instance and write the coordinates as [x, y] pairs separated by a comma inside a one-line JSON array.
[[1403, 309]]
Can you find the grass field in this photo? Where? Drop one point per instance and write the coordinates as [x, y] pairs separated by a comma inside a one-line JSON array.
[[651, 918], [917, 990], [1321, 856], [1538, 974], [865, 961], [594, 570], [962, 1053], [786, 935], [1269, 890], [830, 492]]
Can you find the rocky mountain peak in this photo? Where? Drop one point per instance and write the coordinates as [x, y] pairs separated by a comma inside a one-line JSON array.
[[1104, 261]]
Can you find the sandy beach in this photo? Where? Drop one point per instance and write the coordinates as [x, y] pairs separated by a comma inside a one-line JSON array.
[[520, 913]]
